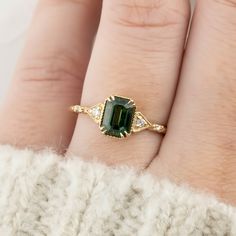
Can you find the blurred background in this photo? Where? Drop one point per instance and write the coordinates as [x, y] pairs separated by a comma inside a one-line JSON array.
[[15, 18]]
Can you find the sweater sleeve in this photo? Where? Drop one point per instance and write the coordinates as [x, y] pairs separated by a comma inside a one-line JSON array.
[[44, 194]]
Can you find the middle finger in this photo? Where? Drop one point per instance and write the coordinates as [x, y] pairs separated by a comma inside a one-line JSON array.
[[202, 126]]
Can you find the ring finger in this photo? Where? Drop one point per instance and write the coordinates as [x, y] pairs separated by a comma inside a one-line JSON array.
[[200, 148], [137, 54]]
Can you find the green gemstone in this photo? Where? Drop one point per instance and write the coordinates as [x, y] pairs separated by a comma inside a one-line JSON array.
[[118, 116]]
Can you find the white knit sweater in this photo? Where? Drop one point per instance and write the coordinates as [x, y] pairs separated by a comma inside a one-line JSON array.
[[42, 194]]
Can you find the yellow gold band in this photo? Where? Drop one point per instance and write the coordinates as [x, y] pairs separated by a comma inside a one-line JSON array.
[[118, 117]]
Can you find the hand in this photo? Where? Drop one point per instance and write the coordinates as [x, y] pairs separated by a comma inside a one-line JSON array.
[[137, 53]]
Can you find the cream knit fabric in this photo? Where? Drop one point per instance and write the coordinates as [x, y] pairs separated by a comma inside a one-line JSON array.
[[42, 194]]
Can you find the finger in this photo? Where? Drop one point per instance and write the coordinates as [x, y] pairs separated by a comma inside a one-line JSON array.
[[50, 75], [137, 54], [200, 146]]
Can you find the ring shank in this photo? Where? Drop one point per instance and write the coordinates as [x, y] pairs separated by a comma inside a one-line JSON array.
[[161, 129]]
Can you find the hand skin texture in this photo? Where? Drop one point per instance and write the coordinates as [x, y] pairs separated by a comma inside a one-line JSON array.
[[138, 52]]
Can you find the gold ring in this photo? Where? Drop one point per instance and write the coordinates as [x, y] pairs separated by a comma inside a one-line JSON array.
[[117, 117]]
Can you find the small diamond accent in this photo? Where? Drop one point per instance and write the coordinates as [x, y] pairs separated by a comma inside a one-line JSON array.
[[96, 112], [140, 122], [159, 128], [77, 108]]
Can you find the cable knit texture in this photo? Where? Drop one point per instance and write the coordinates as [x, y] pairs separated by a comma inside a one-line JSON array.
[[44, 194]]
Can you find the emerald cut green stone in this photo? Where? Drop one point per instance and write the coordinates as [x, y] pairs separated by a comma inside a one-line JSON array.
[[118, 117]]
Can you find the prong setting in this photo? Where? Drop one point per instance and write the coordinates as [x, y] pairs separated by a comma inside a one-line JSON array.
[[118, 116]]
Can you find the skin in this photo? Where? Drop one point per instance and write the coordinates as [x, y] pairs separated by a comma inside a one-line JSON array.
[[138, 53]]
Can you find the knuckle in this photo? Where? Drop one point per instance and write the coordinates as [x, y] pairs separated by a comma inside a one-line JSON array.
[[58, 2], [52, 75], [148, 14], [221, 17], [231, 3]]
